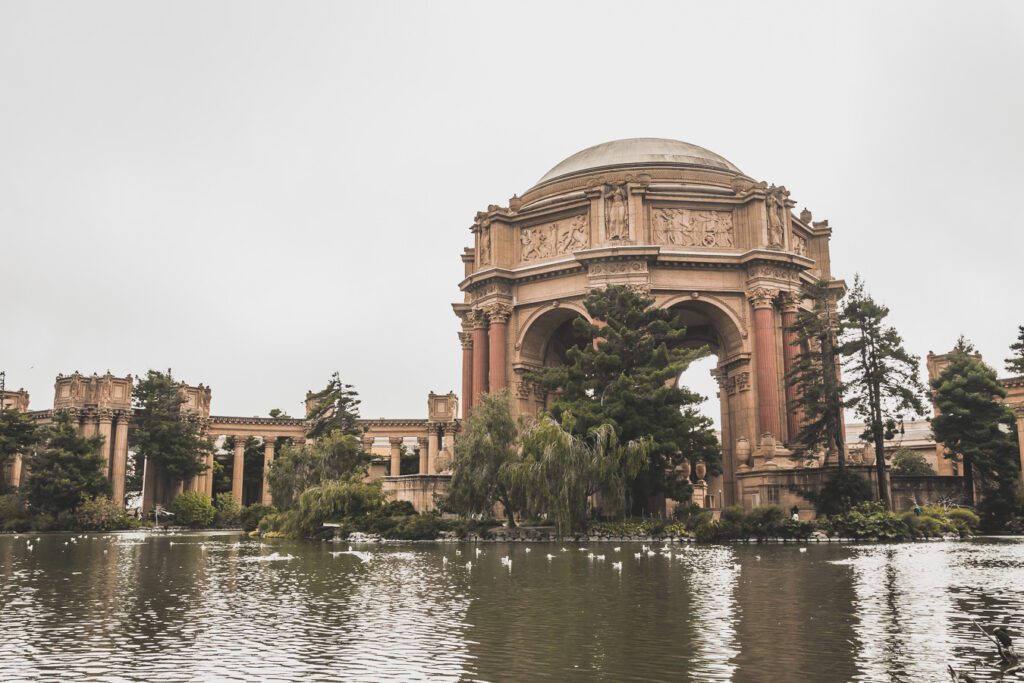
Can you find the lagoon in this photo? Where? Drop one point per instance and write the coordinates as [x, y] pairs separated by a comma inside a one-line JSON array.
[[211, 606]]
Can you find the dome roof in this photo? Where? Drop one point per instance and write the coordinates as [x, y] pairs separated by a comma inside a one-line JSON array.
[[639, 152]]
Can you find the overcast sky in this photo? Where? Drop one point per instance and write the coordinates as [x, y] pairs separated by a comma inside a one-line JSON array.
[[256, 194]]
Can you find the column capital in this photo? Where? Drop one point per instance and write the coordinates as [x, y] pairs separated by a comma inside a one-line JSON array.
[[239, 441], [466, 339], [395, 440], [478, 319], [423, 441], [105, 415], [269, 441], [498, 314], [789, 301], [763, 297]]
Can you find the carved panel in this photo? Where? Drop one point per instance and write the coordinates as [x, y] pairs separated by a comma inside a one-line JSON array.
[[618, 268], [799, 245], [694, 228], [554, 239], [769, 271], [484, 252], [738, 382]]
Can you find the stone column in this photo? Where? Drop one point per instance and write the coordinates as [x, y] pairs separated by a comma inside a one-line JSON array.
[[498, 315], [466, 340], [238, 469], [268, 459], [16, 471], [479, 355], [794, 415], [447, 448], [367, 441], [1019, 412], [89, 423], [148, 486], [424, 443], [396, 455], [105, 419], [432, 449], [120, 454], [767, 370]]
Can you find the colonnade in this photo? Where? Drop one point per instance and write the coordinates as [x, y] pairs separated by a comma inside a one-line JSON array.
[[484, 353], [204, 481], [112, 425]]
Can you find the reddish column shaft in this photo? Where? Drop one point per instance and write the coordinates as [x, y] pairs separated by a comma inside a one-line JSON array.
[[479, 363], [467, 381], [794, 415], [767, 372], [496, 356]]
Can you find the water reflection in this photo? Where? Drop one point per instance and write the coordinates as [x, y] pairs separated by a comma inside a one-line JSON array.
[[194, 606]]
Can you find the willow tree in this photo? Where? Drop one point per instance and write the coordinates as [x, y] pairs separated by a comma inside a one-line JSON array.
[[624, 372], [296, 468], [485, 452], [560, 472], [881, 376], [973, 423]]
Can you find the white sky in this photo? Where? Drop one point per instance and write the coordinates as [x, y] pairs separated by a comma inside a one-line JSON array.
[[256, 194]]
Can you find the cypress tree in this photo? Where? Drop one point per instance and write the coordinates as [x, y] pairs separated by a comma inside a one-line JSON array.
[[66, 471]]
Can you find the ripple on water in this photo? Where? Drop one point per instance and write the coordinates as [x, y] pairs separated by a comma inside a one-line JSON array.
[[205, 606]]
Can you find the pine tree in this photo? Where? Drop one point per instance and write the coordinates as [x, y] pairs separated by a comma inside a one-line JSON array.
[[881, 376], [1015, 363], [18, 434], [65, 471], [335, 407], [973, 423], [624, 372], [820, 392], [163, 434]]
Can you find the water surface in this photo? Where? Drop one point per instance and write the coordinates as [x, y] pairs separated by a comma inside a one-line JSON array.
[[211, 606]]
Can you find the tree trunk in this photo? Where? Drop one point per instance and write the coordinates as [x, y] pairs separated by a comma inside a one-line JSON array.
[[510, 514], [969, 480], [884, 492]]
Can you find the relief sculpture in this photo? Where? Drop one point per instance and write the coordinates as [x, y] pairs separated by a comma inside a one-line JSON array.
[[616, 213], [693, 228], [554, 239], [777, 215]]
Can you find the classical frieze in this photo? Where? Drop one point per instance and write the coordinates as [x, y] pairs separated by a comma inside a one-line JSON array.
[[764, 270], [618, 267], [554, 239], [799, 245], [693, 228]]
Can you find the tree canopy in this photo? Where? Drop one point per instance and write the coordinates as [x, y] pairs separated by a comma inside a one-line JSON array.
[[333, 408], [882, 382], [972, 422], [297, 468], [65, 471], [1015, 363], [624, 372], [815, 373], [18, 435], [485, 451], [163, 434]]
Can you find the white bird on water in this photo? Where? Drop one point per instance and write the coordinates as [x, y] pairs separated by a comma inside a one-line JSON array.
[[469, 565], [617, 566], [444, 561], [458, 553], [803, 550], [565, 550], [527, 550], [617, 549], [363, 556], [636, 556], [550, 557], [651, 553], [599, 558], [478, 552]]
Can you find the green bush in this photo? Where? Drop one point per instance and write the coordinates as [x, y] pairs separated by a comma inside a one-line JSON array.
[[193, 509], [13, 515], [251, 515], [228, 511], [102, 514], [964, 519], [842, 493], [334, 501], [424, 527], [398, 508]]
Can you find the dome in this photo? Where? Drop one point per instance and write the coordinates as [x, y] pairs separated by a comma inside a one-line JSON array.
[[639, 152]]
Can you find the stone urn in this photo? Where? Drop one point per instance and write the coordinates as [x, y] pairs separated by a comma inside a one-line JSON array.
[[684, 469], [743, 451], [701, 470]]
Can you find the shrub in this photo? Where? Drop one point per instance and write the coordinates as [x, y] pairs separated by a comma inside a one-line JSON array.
[[841, 493], [101, 514], [193, 509], [228, 511], [964, 519], [13, 516], [251, 516], [398, 508], [333, 501], [425, 527]]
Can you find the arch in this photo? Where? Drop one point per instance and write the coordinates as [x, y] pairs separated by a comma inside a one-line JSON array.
[[538, 330], [730, 329]]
